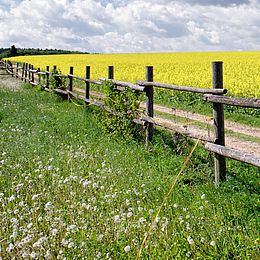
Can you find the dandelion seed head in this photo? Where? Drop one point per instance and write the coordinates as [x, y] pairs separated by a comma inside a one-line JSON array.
[[213, 243], [190, 240], [116, 218], [127, 249]]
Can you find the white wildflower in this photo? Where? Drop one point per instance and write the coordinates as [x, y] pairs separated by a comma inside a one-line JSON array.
[[10, 248], [213, 243], [142, 220], [48, 205], [35, 196], [203, 196], [64, 241], [127, 249], [190, 240], [14, 221], [116, 218], [12, 198], [70, 245], [54, 231], [33, 255], [129, 214]]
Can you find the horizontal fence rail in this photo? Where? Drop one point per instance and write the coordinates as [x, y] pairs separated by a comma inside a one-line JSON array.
[[241, 102], [215, 144], [182, 88]]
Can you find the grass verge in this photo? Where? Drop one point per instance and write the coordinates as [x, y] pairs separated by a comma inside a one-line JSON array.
[[67, 190]]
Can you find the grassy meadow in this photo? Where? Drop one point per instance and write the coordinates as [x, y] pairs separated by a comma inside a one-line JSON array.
[[67, 191]]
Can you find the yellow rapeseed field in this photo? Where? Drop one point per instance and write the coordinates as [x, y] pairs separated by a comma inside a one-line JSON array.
[[241, 69]]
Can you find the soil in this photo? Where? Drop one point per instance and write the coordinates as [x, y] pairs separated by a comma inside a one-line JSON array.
[[6, 81], [230, 140]]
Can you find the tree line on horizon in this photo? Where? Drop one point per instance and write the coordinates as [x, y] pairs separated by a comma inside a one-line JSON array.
[[13, 51]]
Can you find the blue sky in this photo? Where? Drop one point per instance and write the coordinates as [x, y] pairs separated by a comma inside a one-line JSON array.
[[120, 26]]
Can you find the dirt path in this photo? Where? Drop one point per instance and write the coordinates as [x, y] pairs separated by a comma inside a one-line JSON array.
[[233, 126], [6, 81], [206, 130]]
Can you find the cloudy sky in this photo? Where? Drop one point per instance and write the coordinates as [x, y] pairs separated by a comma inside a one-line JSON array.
[[120, 26]]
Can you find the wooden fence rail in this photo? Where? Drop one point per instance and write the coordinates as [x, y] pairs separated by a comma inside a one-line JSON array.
[[26, 72]]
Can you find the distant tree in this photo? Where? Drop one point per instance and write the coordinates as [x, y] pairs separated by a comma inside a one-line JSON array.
[[13, 50]]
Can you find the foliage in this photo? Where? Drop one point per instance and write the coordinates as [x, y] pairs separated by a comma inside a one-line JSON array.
[[69, 191], [124, 105], [56, 81], [13, 51]]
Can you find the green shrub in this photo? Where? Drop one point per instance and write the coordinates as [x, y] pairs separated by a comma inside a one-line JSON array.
[[123, 106]]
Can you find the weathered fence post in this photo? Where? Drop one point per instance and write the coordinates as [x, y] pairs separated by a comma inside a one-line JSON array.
[[218, 117], [25, 72], [70, 86], [47, 76], [29, 73], [12, 69], [110, 72], [149, 104], [87, 84], [39, 76], [17, 67], [32, 76]]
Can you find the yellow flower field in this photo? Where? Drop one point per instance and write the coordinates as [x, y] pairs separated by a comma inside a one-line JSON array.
[[241, 69]]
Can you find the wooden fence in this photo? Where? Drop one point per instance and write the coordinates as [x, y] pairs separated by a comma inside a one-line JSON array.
[[215, 95]]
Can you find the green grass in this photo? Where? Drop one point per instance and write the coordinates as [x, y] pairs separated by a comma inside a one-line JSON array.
[[67, 190], [193, 102]]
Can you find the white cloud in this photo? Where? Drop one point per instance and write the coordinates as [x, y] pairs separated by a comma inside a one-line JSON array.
[[131, 26]]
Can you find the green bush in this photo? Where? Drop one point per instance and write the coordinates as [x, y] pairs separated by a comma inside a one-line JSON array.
[[123, 106]]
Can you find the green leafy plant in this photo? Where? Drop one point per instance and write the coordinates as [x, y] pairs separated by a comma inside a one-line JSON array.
[[123, 106], [55, 81]]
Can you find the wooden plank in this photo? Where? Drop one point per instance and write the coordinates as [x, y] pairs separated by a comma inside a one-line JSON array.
[[233, 154], [33, 71], [61, 75], [176, 128], [61, 91], [76, 77], [124, 84], [86, 80], [33, 83], [182, 88], [80, 90], [241, 102], [41, 73]]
